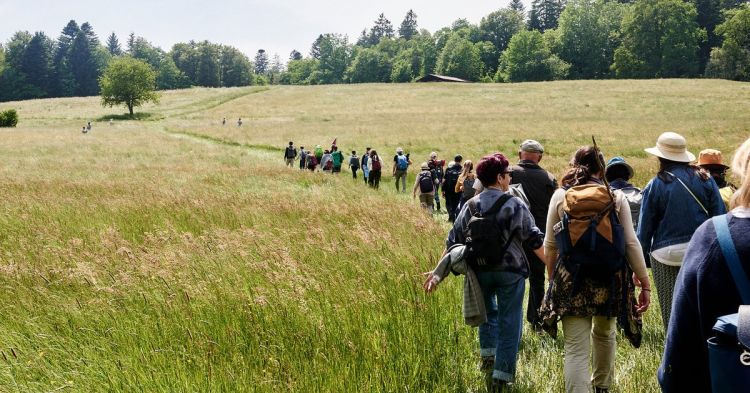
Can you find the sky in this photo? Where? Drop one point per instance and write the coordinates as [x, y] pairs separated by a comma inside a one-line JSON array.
[[278, 26]]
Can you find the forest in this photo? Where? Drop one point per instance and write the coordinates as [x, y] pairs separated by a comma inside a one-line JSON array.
[[553, 40]]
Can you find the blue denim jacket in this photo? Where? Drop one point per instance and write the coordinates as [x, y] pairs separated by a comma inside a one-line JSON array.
[[670, 215]]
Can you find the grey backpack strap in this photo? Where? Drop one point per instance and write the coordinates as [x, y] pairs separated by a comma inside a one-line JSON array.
[[743, 328]]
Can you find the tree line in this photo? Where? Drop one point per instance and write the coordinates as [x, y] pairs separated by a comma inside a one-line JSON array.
[[555, 39]]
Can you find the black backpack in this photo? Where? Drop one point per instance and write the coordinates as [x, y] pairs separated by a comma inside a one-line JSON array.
[[483, 235], [425, 183], [291, 152], [451, 178]]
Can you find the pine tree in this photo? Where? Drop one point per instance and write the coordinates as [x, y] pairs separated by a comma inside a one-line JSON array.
[[408, 27], [131, 42], [545, 13], [113, 45], [315, 47], [63, 80], [36, 64], [261, 62], [382, 29], [84, 61], [295, 55], [517, 5]]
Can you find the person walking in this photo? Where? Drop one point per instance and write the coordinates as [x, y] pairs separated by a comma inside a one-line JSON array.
[[618, 174], [326, 161], [354, 164], [312, 162], [707, 289], [587, 282], [239, 122], [376, 165], [302, 157], [498, 225], [436, 166], [538, 186], [712, 161], [426, 187], [290, 153], [465, 185], [450, 180], [318, 153], [364, 164], [401, 164], [224, 121], [675, 203], [337, 159]]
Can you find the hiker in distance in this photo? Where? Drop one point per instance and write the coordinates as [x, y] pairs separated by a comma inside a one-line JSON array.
[[337, 159], [354, 164], [375, 165], [426, 187], [302, 157], [498, 226], [450, 180], [589, 273], [436, 166], [401, 164], [538, 186], [239, 122], [290, 153], [364, 164]]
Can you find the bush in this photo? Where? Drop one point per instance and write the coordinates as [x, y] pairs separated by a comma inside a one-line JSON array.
[[8, 118]]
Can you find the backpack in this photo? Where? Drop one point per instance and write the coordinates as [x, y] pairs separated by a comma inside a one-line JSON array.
[[425, 183], [729, 347], [402, 163], [436, 168], [634, 197], [483, 235], [376, 166], [451, 178], [354, 162], [290, 152], [469, 190], [590, 238]]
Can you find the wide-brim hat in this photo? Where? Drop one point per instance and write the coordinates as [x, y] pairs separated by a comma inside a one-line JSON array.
[[615, 161], [673, 147], [711, 157]]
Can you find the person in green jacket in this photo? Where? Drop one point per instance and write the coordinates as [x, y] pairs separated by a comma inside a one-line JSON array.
[[318, 152], [338, 159]]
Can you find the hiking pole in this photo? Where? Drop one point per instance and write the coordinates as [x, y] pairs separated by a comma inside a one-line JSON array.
[[600, 158]]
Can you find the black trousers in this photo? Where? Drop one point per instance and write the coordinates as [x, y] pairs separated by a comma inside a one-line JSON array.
[[374, 179], [537, 272], [451, 204], [354, 173]]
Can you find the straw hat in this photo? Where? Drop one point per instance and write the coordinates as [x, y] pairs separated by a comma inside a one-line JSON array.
[[425, 166], [673, 147], [711, 157]]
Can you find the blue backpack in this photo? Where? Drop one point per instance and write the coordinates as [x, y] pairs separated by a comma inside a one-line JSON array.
[[729, 348], [402, 163]]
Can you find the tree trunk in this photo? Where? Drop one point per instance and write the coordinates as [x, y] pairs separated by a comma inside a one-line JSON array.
[[130, 108]]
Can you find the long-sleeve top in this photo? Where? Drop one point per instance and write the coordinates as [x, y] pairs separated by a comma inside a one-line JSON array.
[[670, 215], [514, 219], [634, 254], [704, 291], [416, 183]]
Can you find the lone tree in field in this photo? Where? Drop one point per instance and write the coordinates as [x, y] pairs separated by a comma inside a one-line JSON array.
[[128, 81]]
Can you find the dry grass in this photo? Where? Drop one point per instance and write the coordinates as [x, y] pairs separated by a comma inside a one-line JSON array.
[[148, 256]]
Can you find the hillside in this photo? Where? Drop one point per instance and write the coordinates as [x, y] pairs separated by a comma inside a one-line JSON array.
[[177, 254]]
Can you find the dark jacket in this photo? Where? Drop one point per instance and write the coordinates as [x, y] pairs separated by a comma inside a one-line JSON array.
[[703, 292], [538, 184], [670, 215], [513, 218]]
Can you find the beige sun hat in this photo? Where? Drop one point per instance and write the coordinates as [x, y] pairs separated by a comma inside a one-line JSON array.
[[671, 146]]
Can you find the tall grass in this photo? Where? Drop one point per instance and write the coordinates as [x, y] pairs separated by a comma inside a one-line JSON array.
[[175, 255]]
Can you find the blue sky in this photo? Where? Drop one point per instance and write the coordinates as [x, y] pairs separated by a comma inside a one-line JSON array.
[[277, 26]]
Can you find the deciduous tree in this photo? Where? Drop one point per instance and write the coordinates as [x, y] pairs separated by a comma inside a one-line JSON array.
[[128, 81]]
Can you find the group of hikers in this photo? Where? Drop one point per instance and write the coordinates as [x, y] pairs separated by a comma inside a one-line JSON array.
[[594, 239]]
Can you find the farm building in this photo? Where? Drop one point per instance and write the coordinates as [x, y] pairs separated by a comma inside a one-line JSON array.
[[440, 78]]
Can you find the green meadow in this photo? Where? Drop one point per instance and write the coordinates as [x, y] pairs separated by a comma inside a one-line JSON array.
[[174, 254]]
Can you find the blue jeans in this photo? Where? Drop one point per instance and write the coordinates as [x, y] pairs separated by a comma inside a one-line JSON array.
[[501, 334]]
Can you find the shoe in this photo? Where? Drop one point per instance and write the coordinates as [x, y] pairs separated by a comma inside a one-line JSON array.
[[497, 386], [601, 390]]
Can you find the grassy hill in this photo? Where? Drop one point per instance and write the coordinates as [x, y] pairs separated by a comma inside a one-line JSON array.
[[176, 254]]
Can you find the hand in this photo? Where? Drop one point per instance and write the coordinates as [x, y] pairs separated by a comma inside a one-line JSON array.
[[644, 300], [636, 281], [431, 283]]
